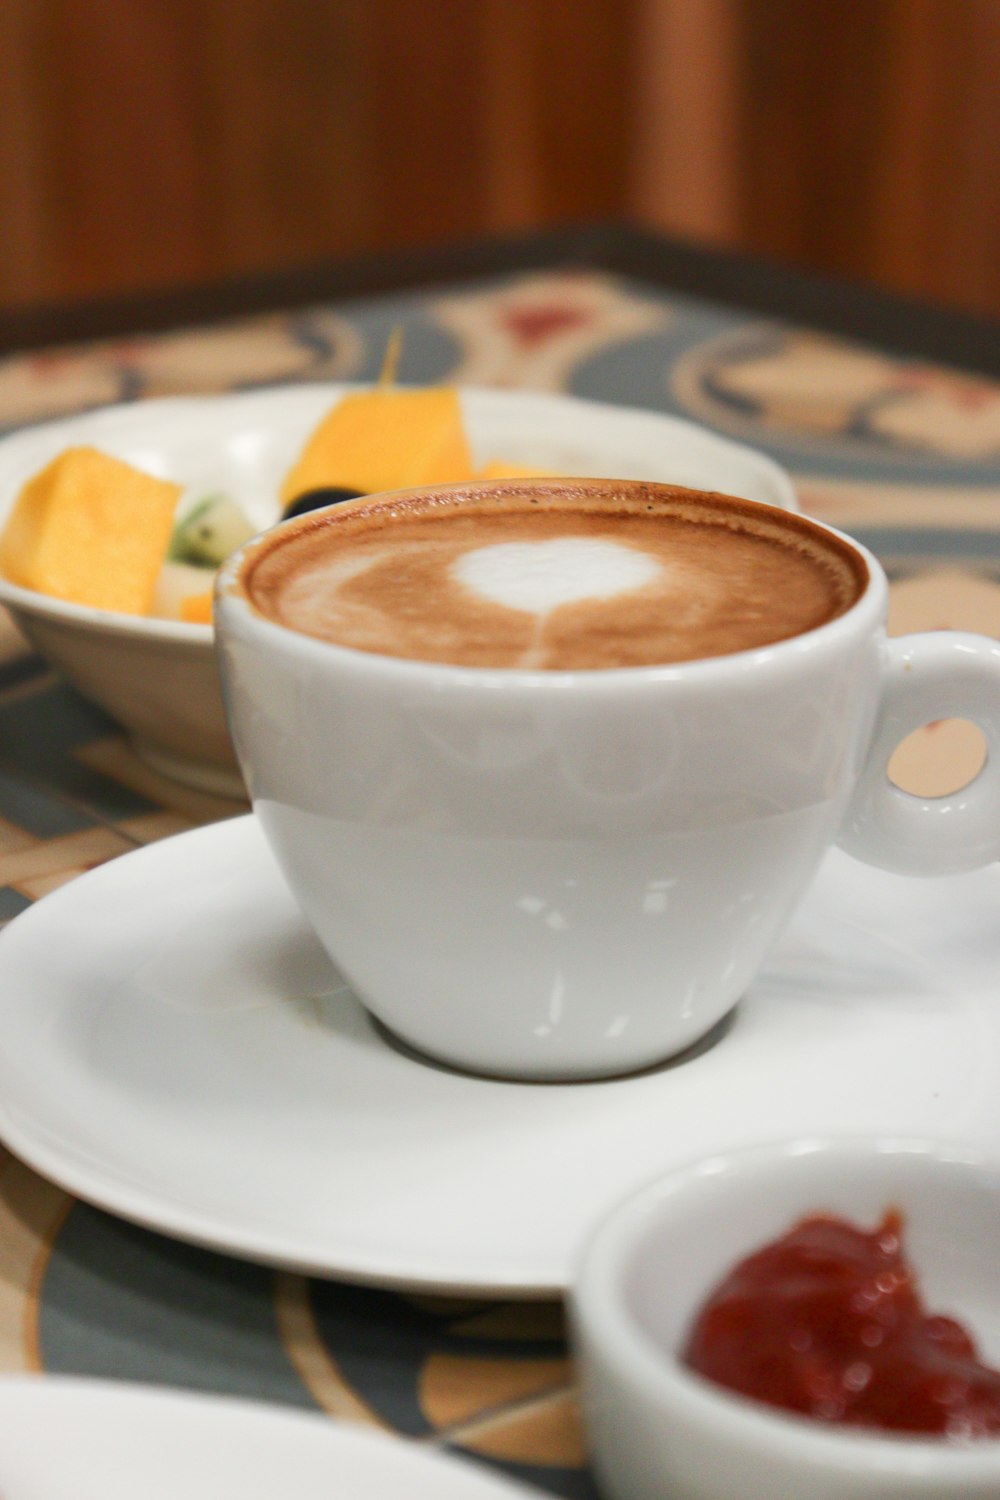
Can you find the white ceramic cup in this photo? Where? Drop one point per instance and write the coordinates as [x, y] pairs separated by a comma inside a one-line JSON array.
[[577, 874]]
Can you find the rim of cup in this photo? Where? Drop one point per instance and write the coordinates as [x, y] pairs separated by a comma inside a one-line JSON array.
[[232, 600]]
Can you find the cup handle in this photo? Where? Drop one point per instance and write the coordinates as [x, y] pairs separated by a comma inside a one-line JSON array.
[[937, 675]]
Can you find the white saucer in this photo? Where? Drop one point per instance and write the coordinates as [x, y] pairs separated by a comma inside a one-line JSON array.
[[162, 1058], [97, 1440]]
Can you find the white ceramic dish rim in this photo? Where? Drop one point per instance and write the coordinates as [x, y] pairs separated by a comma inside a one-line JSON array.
[[477, 1266], [22, 451], [595, 1289], [329, 1450]]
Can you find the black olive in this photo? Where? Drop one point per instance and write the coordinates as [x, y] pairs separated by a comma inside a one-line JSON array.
[[316, 499]]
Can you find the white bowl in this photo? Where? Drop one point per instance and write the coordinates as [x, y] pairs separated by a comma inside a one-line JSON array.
[[158, 678], [657, 1429]]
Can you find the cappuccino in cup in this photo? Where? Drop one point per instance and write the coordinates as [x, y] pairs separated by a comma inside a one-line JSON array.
[[548, 763], [554, 576]]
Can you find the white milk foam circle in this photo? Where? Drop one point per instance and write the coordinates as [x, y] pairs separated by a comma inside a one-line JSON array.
[[539, 576]]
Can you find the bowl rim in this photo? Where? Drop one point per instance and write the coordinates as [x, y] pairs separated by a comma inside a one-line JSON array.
[[127, 419], [599, 1317]]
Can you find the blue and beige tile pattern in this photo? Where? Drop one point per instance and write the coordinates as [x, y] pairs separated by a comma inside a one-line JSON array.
[[905, 455]]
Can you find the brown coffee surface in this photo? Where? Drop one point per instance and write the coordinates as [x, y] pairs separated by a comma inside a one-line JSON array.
[[719, 575]]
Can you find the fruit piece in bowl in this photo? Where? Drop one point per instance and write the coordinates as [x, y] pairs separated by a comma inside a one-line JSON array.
[[384, 439], [87, 564], [91, 529], [206, 531], [387, 439]]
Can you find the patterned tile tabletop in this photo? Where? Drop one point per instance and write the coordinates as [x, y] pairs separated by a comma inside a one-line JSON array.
[[904, 455]]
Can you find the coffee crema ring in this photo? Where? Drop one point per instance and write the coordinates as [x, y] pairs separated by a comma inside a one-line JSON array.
[[553, 575]]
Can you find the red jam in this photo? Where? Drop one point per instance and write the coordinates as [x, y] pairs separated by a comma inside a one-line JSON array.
[[828, 1321]]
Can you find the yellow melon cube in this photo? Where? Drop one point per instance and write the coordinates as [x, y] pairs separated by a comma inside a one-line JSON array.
[[196, 609], [91, 529], [384, 439]]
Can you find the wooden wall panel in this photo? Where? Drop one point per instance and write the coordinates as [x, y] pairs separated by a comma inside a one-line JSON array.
[[936, 217], [286, 98], [427, 127], [152, 143], [811, 102], [24, 238], [855, 137], [582, 88], [174, 141], [686, 148], [120, 133]]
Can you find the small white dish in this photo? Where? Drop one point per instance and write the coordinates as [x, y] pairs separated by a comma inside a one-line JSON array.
[[658, 1429], [179, 1050], [158, 678], [97, 1440]]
